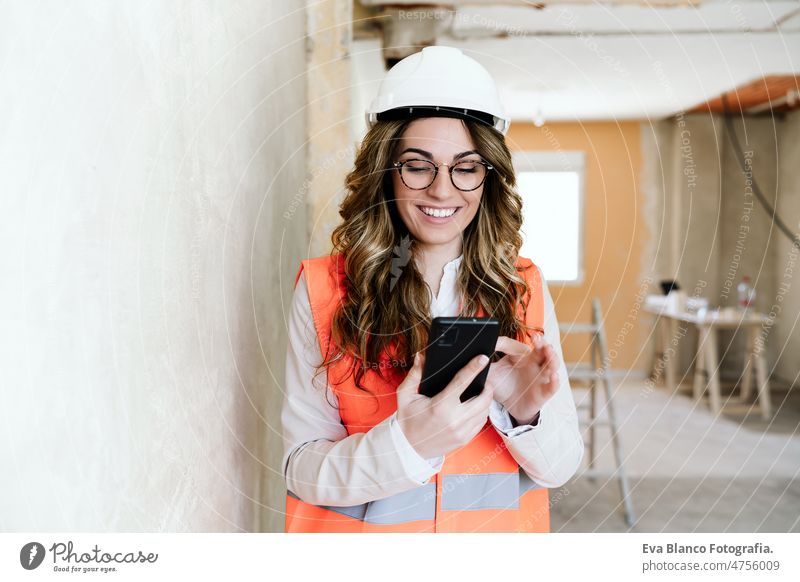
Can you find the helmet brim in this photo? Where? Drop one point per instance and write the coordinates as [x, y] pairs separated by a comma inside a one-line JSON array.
[[419, 111]]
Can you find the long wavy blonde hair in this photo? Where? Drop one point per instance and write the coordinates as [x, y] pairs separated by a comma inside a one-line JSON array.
[[382, 313]]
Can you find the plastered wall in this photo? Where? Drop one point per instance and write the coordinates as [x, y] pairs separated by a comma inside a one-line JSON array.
[[149, 153]]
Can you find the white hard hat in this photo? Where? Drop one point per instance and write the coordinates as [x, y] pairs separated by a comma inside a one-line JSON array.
[[438, 81]]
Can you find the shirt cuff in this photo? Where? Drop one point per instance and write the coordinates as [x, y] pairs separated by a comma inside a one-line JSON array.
[[417, 468], [501, 420]]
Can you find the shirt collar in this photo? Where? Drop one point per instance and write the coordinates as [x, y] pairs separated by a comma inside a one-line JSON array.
[[454, 263]]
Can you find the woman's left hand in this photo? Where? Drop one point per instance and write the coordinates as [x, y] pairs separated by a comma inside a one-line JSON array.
[[525, 378]]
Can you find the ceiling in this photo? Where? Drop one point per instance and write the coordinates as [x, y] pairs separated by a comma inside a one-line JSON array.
[[584, 60]]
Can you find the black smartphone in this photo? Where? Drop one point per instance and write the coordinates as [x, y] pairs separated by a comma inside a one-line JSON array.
[[452, 343]]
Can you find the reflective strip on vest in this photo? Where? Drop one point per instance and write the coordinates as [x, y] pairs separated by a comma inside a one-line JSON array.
[[412, 505], [485, 490], [459, 492], [526, 483]]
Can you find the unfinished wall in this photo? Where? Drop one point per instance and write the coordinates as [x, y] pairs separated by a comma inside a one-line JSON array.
[[746, 228], [785, 335], [695, 211], [711, 230], [148, 151], [331, 148], [654, 181]]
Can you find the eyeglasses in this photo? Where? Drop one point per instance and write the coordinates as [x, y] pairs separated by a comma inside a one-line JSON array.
[[419, 174]]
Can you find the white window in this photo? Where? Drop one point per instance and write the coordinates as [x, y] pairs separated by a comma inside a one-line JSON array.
[[551, 186]]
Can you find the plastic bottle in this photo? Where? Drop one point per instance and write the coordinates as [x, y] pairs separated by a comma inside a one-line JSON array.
[[747, 294]]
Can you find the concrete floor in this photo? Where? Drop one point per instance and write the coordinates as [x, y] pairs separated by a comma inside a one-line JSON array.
[[689, 470]]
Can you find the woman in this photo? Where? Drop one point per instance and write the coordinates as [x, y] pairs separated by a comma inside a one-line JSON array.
[[430, 228]]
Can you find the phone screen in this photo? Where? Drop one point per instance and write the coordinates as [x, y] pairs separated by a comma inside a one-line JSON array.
[[452, 343]]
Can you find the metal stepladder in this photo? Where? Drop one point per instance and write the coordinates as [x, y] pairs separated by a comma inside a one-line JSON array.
[[596, 375]]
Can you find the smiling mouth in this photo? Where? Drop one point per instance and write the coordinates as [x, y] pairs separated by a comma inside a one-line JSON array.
[[439, 212]]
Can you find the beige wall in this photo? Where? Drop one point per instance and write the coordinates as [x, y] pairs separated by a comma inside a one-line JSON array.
[[614, 234], [149, 152]]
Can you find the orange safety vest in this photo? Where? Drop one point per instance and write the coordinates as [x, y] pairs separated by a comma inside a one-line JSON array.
[[480, 488]]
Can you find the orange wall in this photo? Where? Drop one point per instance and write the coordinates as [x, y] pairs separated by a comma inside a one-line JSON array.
[[614, 234]]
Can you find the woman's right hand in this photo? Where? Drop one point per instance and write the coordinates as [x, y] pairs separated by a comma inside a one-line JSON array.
[[435, 426]]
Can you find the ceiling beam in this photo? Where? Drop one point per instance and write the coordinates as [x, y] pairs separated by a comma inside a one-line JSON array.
[[772, 93]]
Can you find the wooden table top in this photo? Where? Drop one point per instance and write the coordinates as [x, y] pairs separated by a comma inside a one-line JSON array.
[[716, 317]]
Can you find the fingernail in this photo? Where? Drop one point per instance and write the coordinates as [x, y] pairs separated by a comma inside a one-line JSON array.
[[483, 359]]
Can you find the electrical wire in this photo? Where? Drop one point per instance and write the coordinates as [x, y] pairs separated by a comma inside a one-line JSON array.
[[737, 150]]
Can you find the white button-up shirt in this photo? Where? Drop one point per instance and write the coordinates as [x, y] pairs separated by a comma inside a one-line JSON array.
[[323, 465]]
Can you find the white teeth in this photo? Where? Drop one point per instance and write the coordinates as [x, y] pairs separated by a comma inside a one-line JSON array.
[[438, 212]]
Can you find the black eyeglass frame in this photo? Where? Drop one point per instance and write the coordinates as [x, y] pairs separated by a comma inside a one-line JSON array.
[[399, 166]]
